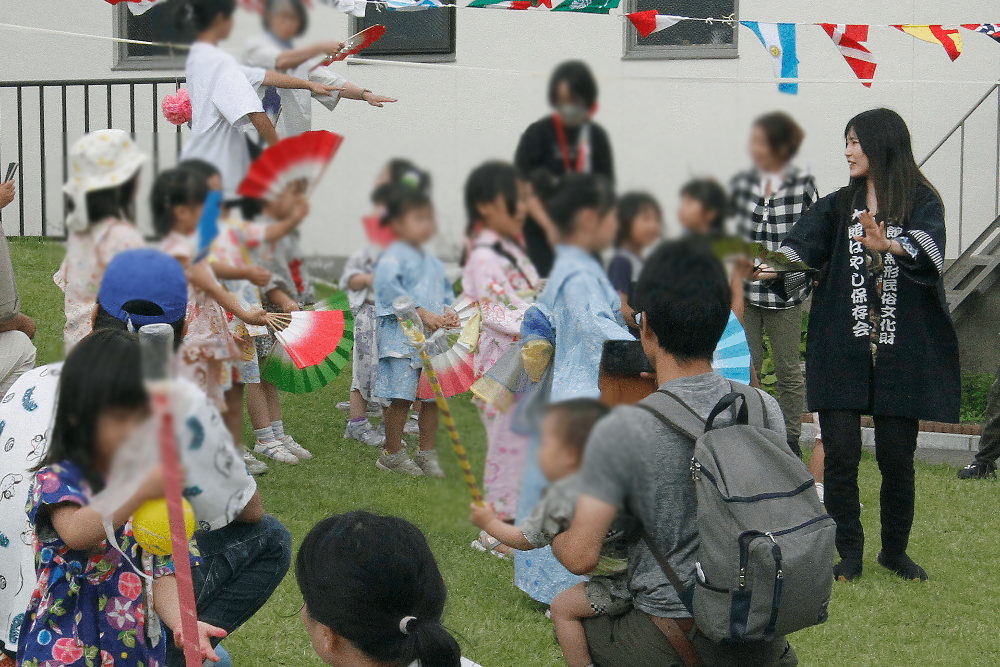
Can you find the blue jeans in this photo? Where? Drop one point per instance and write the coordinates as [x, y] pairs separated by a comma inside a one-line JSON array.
[[243, 563]]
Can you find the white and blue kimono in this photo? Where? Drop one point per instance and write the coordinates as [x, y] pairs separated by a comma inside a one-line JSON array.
[[584, 310], [403, 270]]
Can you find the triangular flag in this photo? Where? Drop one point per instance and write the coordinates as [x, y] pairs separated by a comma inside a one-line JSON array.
[[949, 38], [850, 39], [587, 6], [511, 4], [648, 22], [988, 29], [779, 40]]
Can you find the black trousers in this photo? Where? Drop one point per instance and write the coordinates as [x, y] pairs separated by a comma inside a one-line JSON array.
[[989, 442], [895, 444]]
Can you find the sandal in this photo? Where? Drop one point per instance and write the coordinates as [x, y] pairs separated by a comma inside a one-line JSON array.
[[491, 545]]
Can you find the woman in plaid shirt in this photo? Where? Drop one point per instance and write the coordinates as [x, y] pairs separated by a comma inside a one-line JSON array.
[[767, 201]]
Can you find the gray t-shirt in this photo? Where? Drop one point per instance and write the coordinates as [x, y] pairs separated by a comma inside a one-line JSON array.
[[641, 466]]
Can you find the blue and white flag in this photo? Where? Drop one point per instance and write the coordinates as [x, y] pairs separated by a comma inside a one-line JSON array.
[[779, 40], [412, 5]]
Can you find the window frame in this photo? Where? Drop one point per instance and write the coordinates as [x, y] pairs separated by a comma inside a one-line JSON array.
[[126, 63], [632, 50], [355, 26]]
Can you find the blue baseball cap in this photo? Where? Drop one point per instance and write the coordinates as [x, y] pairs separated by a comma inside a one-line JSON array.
[[144, 275]]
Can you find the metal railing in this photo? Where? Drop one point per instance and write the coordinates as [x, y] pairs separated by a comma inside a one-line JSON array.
[[960, 128], [61, 89]]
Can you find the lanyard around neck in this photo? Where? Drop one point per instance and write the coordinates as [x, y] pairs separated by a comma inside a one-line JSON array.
[[564, 147]]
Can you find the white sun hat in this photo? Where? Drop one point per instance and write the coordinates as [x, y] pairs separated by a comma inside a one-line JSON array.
[[99, 160]]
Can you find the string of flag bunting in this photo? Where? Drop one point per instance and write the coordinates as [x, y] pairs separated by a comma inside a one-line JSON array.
[[778, 38]]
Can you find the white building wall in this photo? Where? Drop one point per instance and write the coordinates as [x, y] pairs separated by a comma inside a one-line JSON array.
[[668, 119]]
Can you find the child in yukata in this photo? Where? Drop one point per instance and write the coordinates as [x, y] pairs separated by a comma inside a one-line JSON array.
[[584, 310], [565, 430], [500, 277], [405, 269]]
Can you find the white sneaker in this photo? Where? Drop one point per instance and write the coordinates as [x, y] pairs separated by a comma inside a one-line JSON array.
[[297, 450], [364, 433], [820, 491], [276, 451], [428, 462], [398, 462], [412, 426], [344, 406], [254, 467]]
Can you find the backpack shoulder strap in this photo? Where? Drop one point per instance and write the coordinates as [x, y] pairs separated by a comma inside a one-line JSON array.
[[755, 404], [673, 412]]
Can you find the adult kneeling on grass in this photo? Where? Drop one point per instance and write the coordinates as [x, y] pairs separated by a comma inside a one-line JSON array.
[[635, 461]]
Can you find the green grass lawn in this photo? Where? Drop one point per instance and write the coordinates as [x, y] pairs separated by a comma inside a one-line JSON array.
[[879, 620]]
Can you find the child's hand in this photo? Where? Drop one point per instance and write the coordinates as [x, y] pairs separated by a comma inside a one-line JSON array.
[[482, 515], [152, 487], [450, 318], [290, 307], [258, 275], [432, 321], [205, 634], [375, 99], [256, 315], [369, 279], [333, 47], [301, 210]]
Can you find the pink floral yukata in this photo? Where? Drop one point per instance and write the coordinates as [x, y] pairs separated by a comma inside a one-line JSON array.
[[82, 270], [88, 608], [208, 343], [505, 289]]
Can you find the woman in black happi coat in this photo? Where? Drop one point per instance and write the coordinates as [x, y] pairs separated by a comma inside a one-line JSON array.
[[881, 339]]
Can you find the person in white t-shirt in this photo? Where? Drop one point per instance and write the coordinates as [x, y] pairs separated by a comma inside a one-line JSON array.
[[291, 110], [224, 101]]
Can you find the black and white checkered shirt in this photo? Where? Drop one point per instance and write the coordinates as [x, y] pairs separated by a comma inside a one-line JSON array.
[[769, 220]]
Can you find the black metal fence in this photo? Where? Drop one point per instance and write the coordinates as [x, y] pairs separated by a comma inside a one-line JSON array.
[[32, 152]]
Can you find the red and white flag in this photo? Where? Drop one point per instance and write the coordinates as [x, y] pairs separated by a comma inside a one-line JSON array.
[[850, 39], [648, 22]]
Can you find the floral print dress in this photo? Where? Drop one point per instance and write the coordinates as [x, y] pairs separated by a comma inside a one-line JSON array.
[[88, 608], [207, 345], [364, 363], [501, 278]]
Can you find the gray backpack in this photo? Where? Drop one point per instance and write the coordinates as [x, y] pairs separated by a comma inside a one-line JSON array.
[[765, 561]]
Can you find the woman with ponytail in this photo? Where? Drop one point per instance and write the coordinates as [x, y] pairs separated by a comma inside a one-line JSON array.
[[373, 594]]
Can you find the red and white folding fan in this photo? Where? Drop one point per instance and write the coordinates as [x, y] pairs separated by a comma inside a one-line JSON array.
[[356, 43], [455, 367], [309, 336], [302, 157]]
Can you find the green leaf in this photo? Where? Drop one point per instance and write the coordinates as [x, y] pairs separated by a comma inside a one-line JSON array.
[[102, 602]]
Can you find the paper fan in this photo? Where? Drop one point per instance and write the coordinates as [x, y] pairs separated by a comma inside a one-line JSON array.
[[304, 156], [208, 224], [281, 371], [732, 354], [356, 43], [455, 367]]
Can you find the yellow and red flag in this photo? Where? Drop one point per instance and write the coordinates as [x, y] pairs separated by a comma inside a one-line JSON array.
[[949, 38]]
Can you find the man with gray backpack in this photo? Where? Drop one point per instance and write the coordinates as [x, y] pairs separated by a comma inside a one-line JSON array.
[[736, 550]]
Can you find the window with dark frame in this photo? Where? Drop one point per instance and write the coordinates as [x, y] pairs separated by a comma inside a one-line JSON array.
[[427, 34], [687, 39], [155, 25]]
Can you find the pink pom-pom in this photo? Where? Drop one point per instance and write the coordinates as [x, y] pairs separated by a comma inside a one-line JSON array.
[[177, 107]]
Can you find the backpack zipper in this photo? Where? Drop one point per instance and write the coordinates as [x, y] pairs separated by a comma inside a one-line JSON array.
[[695, 470]]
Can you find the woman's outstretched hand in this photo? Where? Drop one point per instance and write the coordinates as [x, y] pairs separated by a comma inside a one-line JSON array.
[[376, 100], [874, 238]]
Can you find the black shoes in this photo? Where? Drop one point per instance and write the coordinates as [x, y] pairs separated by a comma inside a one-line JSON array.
[[848, 569], [902, 566], [978, 470]]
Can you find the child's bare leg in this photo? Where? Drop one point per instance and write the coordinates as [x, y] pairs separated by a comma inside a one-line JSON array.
[[568, 610], [273, 401], [234, 413], [359, 406], [817, 461], [260, 416], [427, 418], [394, 417]]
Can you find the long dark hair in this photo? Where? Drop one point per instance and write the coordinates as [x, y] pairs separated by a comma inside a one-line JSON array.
[[175, 187], [101, 372], [630, 206], [885, 140], [361, 575], [297, 6], [114, 202]]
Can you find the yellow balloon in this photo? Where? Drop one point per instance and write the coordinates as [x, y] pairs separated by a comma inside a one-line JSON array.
[[151, 526]]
